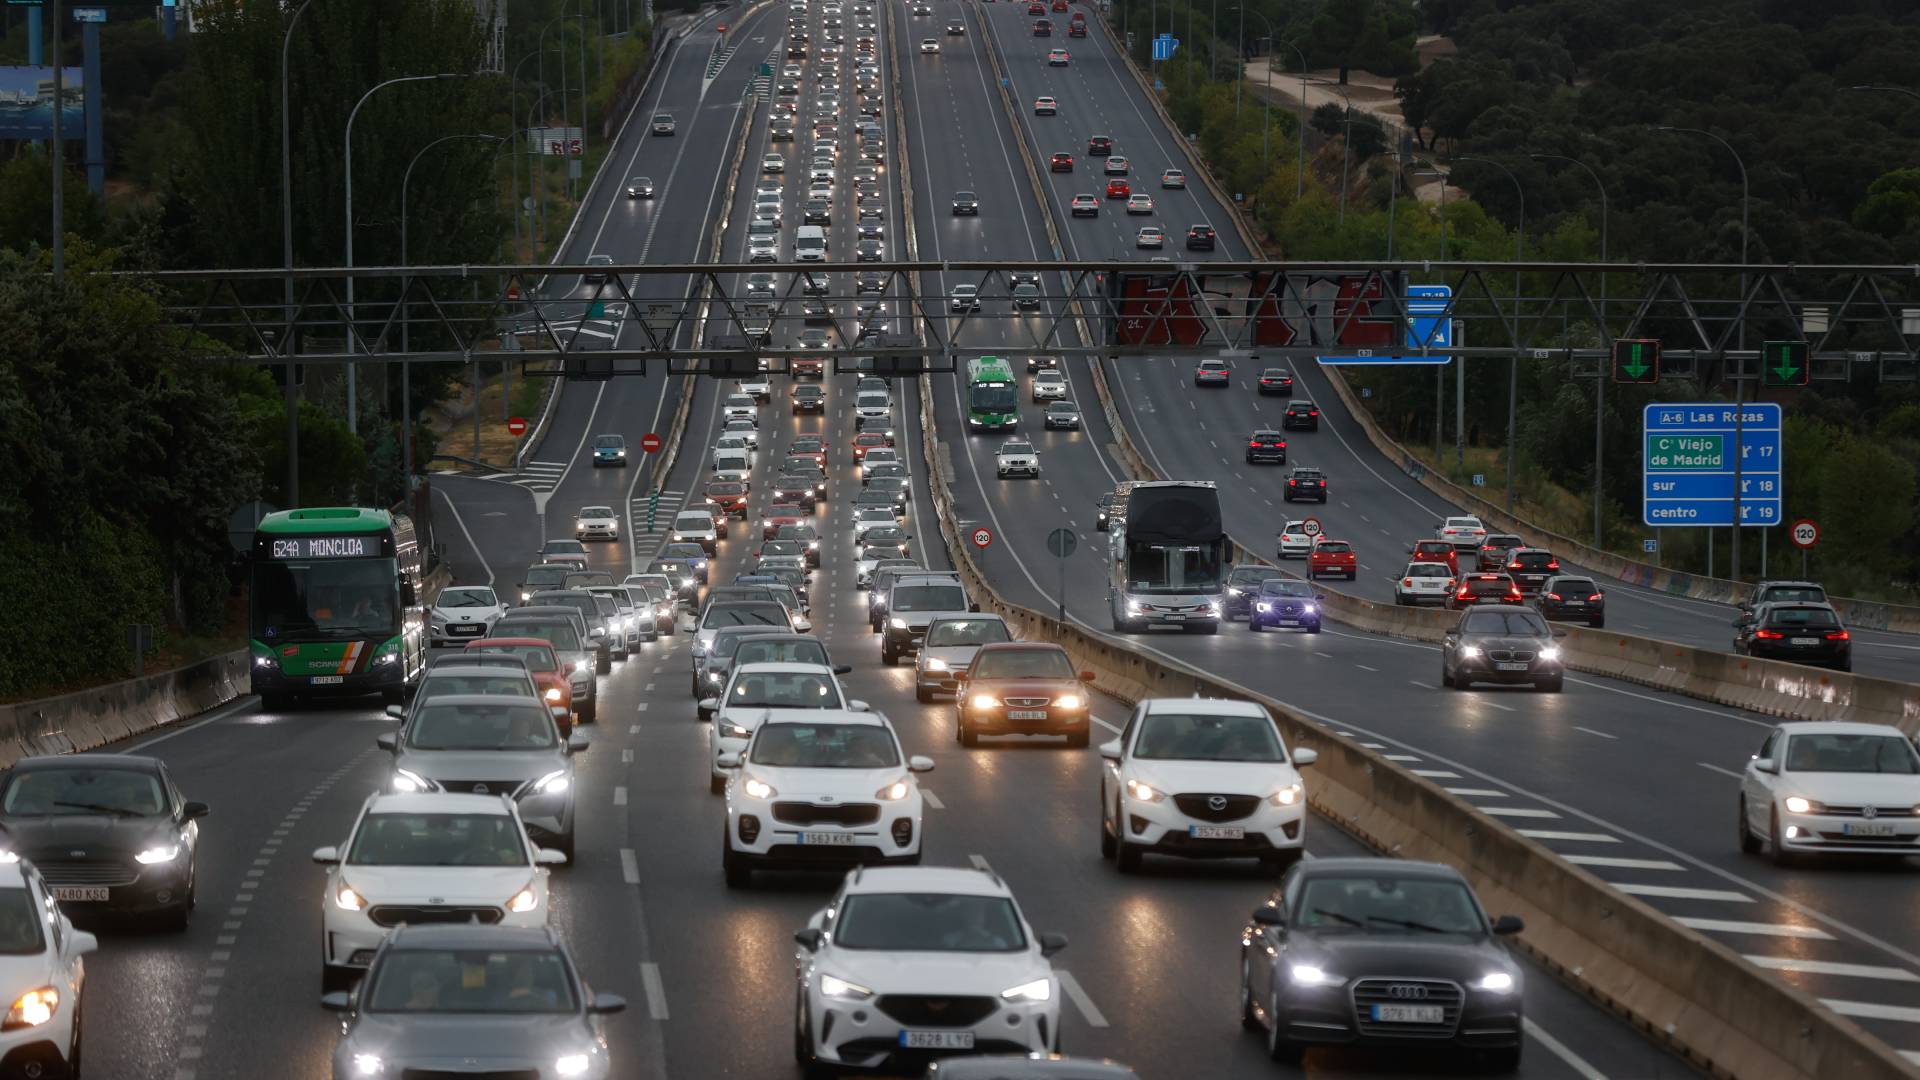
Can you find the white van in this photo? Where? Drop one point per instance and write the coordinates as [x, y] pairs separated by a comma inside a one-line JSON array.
[[810, 244], [732, 460]]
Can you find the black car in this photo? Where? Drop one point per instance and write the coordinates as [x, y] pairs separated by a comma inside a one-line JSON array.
[[1305, 483], [1502, 643], [109, 833], [1380, 952], [814, 285], [1565, 596], [815, 311], [1200, 238], [808, 397], [1288, 602], [867, 281], [1100, 146], [818, 212], [1530, 568], [1242, 582], [1266, 444], [1784, 592], [966, 202], [694, 554], [1100, 514], [1301, 415], [1489, 587], [1276, 380], [1801, 633]]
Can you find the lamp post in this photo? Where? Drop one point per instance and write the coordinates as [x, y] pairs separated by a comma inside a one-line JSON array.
[[1513, 364], [1600, 381], [541, 68], [1915, 94], [287, 340], [1459, 362], [513, 99], [1346, 154], [538, 182]]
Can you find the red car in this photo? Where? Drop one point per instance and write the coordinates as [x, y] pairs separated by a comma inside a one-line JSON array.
[[1077, 26], [804, 366], [1036, 9], [1439, 551], [815, 454], [1485, 589], [728, 498], [1333, 557], [866, 442], [1059, 5], [1060, 163], [549, 674], [778, 515], [1118, 189]]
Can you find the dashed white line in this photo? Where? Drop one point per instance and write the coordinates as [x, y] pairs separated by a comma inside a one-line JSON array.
[[656, 990], [629, 866], [1824, 967], [1763, 929], [1622, 864], [932, 799], [1681, 892], [1583, 837]]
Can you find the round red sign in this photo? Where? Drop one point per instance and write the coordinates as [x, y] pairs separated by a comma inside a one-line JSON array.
[[982, 537], [650, 443], [517, 425], [1805, 533]]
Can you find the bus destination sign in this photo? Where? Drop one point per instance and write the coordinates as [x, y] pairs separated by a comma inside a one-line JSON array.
[[325, 547]]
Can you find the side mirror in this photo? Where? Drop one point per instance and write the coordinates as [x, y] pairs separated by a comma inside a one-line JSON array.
[[919, 763], [1086, 676], [1110, 749], [80, 943], [195, 810], [973, 607], [1304, 757], [1320, 596], [1559, 633], [728, 760], [1052, 942], [843, 669], [326, 856], [856, 705], [1268, 916], [578, 742], [809, 939], [398, 712], [1766, 765], [1508, 924], [604, 1004], [709, 705], [338, 1001], [408, 597], [388, 742], [546, 856]]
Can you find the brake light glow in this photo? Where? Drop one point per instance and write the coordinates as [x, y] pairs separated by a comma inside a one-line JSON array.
[[1595, 598], [1838, 635], [1408, 582], [1768, 635], [1513, 566], [1553, 564], [1465, 593], [1553, 596]]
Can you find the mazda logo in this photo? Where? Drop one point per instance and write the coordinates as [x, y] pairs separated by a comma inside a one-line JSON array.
[[1407, 992], [1216, 802], [937, 1005], [479, 789]]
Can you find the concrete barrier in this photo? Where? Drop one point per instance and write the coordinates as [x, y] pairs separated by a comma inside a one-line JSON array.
[[100, 715]]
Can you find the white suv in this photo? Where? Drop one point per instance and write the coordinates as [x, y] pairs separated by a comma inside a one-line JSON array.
[[1421, 582], [828, 790], [1202, 778], [43, 972], [904, 961], [1049, 385], [1014, 457], [426, 858], [697, 527], [756, 693], [1462, 532], [1295, 541]]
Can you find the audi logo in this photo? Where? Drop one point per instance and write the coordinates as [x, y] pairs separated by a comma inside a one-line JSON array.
[[1407, 992], [1216, 802]]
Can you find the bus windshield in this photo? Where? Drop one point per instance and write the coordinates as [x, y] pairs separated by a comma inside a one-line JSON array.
[[994, 397], [1156, 568], [321, 600]]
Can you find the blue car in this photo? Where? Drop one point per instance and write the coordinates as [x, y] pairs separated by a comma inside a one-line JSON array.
[[1288, 603], [609, 450]]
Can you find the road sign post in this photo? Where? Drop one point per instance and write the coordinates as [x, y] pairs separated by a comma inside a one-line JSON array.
[[1805, 534], [1061, 543], [1688, 467]]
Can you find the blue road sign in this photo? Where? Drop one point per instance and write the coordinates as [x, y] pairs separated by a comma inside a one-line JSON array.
[[1424, 303], [1650, 544], [89, 14], [1687, 464], [1164, 46]]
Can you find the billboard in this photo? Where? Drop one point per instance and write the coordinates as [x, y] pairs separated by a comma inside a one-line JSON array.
[[26, 103]]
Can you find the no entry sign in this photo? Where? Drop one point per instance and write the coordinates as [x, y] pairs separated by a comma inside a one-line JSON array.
[[517, 426], [650, 443]]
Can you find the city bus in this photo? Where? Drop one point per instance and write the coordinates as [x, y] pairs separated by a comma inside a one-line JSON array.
[[1168, 554], [333, 606], [993, 398]]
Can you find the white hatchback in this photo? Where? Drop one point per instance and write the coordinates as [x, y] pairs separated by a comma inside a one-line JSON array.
[[1295, 541], [42, 972], [1823, 786]]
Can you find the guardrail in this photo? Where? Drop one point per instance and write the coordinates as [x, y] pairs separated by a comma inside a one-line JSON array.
[[1680, 988]]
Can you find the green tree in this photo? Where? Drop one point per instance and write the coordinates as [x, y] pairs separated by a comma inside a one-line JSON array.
[[26, 202], [1892, 204], [1867, 502]]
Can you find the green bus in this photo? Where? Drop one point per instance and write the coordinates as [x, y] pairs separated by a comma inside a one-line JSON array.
[[993, 398], [333, 605]]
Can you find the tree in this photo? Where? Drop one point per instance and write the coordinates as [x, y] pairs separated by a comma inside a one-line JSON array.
[[26, 202], [1867, 496], [1892, 204]]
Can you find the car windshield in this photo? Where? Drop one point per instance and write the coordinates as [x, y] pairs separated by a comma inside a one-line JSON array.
[[63, 791], [746, 615], [321, 599], [1388, 905], [1822, 618], [465, 597], [19, 923], [1427, 569], [613, 441], [563, 547], [929, 922], [543, 576], [1023, 664], [1207, 737], [1285, 587], [1000, 397], [464, 981], [928, 598], [967, 632], [438, 840], [824, 746], [1016, 448], [536, 657], [469, 726], [685, 551], [558, 632], [1505, 623], [438, 684], [1825, 752], [780, 652], [783, 690]]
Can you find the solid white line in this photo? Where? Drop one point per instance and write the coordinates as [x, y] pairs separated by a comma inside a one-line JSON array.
[[1681, 892], [1622, 864], [1562, 1051], [1733, 926], [1826, 967], [1071, 987], [462, 522], [620, 795], [1590, 731], [1479, 792], [238, 704], [1871, 1011], [1555, 834], [656, 990], [1437, 774], [932, 799], [629, 866], [1517, 811], [1721, 771]]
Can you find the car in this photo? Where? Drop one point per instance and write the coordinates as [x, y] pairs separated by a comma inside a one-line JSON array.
[[911, 601], [727, 498], [663, 123], [596, 523], [1060, 6], [542, 664], [1043, 28], [1085, 206], [1463, 531], [547, 575], [1503, 643], [1329, 959], [1438, 551], [1276, 381], [1301, 415], [1243, 581], [1798, 632], [1830, 787], [426, 857], [1283, 601], [1100, 145], [1061, 414], [463, 613], [1294, 539], [494, 745], [869, 251], [965, 299], [573, 648], [749, 606], [43, 974], [1200, 778], [1045, 106], [808, 397], [1023, 688], [1016, 457], [597, 272], [1077, 26], [929, 45], [966, 202], [510, 999], [1056, 57], [773, 163], [1421, 582], [1152, 236], [1036, 9], [737, 406], [1333, 557], [1782, 591], [1060, 163], [1038, 363], [571, 552], [1138, 202], [1570, 596], [1119, 189], [950, 644], [956, 28], [1484, 588], [1115, 165], [1173, 178], [738, 695], [1102, 510], [1049, 385], [864, 442], [692, 554], [1494, 550], [989, 987], [1265, 444], [1305, 483], [1212, 371], [640, 187], [1200, 238], [1531, 567], [821, 175]]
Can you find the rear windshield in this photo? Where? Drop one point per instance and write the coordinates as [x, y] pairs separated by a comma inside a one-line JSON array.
[[1433, 547], [1575, 585], [1802, 616], [1794, 594], [1534, 560], [1337, 547], [536, 657], [558, 632], [1480, 587], [1431, 569]]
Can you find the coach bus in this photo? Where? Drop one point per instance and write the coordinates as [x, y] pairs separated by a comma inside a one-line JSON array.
[[993, 398], [1168, 553]]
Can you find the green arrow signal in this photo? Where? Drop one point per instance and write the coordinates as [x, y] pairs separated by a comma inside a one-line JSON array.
[[1637, 368], [1785, 371]]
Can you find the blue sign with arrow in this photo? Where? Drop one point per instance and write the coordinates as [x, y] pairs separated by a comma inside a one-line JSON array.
[[1164, 46], [1431, 329]]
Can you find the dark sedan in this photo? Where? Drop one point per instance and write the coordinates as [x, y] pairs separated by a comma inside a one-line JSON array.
[[1306, 483], [1242, 583], [1531, 567], [1301, 414], [967, 203], [1487, 588], [1276, 381], [1802, 633], [1380, 952], [1502, 643], [108, 832], [1286, 602], [1266, 444], [1565, 596]]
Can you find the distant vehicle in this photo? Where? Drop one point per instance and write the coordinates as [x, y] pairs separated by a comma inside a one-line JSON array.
[[1045, 106], [1062, 414], [1243, 581], [1016, 458], [1173, 178], [640, 187], [1060, 163], [1200, 238], [663, 123], [1484, 588], [1100, 145], [1421, 582], [1797, 632], [1276, 381], [1139, 202], [1464, 531], [1569, 596], [1266, 444], [1502, 643], [966, 202], [1151, 236], [993, 398], [597, 272], [1305, 483], [609, 450], [1212, 371], [1333, 557], [1055, 57]]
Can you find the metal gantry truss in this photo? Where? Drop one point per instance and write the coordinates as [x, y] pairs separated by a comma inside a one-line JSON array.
[[904, 316]]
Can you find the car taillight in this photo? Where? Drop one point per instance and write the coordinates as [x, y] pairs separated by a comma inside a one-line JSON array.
[[1595, 598], [1553, 596], [1769, 635], [1553, 564], [1315, 412], [1253, 442], [1513, 566], [1513, 593], [1837, 635], [1408, 582], [1293, 483], [1464, 594]]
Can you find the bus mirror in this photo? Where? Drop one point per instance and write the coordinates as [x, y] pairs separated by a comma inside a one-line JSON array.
[[406, 593]]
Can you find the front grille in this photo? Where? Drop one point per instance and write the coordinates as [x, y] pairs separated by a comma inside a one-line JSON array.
[[1860, 811], [799, 813], [395, 914], [1370, 992], [86, 873], [463, 1074], [480, 787], [928, 1010], [1026, 702], [1510, 654], [1216, 807]]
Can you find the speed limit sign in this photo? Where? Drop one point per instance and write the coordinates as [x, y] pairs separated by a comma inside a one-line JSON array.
[[1311, 526], [982, 537], [1805, 534]]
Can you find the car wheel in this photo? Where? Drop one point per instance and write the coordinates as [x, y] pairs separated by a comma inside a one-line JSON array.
[[810, 1067], [889, 657], [1248, 1020], [1210, 628], [1254, 625], [1749, 843], [738, 874], [1504, 1061], [175, 918], [603, 664], [1127, 857], [565, 846], [273, 703], [1775, 850], [74, 1040], [1446, 678], [589, 712], [1281, 861], [1314, 629], [1844, 665], [969, 738], [1279, 1047], [922, 695]]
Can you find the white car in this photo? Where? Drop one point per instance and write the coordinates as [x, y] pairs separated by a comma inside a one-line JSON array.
[[1202, 778], [929, 45], [1421, 582], [965, 299], [948, 952], [745, 430], [871, 517], [878, 456], [596, 523], [1825, 786], [773, 163], [463, 611], [948, 647], [43, 972], [872, 404], [1462, 532], [761, 693], [697, 527], [739, 405], [759, 388], [1016, 457], [426, 857], [1295, 541], [1049, 385]]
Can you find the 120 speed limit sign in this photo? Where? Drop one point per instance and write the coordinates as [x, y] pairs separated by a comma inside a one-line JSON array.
[[1805, 533]]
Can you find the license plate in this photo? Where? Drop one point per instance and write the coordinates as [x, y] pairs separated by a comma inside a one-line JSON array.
[[1576, 603], [1026, 714], [328, 680], [937, 1040], [829, 839], [1874, 828], [1286, 622], [1511, 665], [1804, 641], [1409, 1014], [1217, 832], [80, 893], [1174, 618]]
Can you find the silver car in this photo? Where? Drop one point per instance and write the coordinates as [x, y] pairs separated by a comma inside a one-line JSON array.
[[491, 745], [948, 648], [566, 632], [463, 612], [460, 1000]]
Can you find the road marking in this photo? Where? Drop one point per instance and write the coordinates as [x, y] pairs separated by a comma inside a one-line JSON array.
[[1871, 1011], [1590, 731], [980, 863], [626, 756], [1401, 757], [1423, 685], [1516, 811], [460, 521], [1562, 1051], [1681, 892], [1477, 792], [641, 708], [629, 866], [1721, 771], [656, 991], [1732, 926], [1554, 834], [620, 795], [1494, 704], [932, 799], [1437, 774], [1825, 967], [1622, 864], [1374, 745], [1071, 987], [1328, 655], [633, 729], [1364, 667]]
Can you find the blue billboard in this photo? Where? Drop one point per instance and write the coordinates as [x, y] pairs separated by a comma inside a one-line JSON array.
[[26, 103]]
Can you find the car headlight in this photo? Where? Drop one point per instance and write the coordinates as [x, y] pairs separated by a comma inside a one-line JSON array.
[[758, 788], [1308, 975], [840, 988], [347, 900], [1797, 804], [1551, 652], [1234, 592], [1470, 651], [1143, 791], [554, 783], [406, 780], [985, 701], [265, 662], [525, 596], [1287, 796], [160, 853], [701, 565], [1134, 607], [32, 1009], [735, 731], [715, 677], [1067, 701], [387, 656], [523, 901], [8, 858], [368, 1065], [893, 792], [1496, 982], [897, 624], [678, 537], [1266, 607], [1214, 607], [686, 583], [571, 1065], [553, 694], [1038, 990], [934, 663], [1310, 609]]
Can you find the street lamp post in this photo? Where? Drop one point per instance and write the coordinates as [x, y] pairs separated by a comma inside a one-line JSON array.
[[1346, 154], [287, 339], [1513, 364], [1915, 94], [1266, 103], [1600, 380], [1459, 363]]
